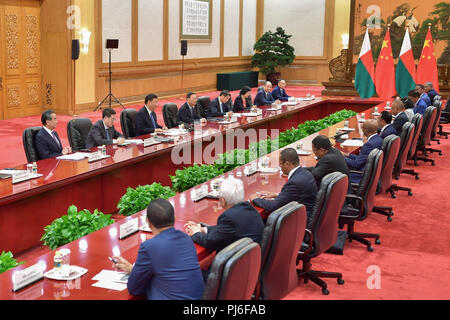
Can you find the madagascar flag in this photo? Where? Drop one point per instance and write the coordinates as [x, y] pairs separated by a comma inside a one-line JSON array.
[[427, 68], [365, 72], [405, 74], [385, 71]]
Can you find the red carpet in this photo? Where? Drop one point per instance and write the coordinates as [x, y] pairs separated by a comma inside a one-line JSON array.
[[11, 130]]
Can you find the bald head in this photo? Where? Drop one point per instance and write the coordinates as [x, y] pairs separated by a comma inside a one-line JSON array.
[[370, 127], [397, 107]]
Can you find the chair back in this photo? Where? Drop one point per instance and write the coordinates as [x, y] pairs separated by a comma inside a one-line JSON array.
[[28, 137], [234, 272], [128, 122], [329, 202], [417, 120], [437, 104], [170, 111], [77, 132], [203, 106], [436, 98], [281, 241], [428, 123], [369, 181], [406, 137], [390, 148]]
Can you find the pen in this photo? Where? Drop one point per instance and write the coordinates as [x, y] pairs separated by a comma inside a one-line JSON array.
[[113, 260]]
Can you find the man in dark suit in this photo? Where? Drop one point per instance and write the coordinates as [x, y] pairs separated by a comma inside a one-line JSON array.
[[420, 88], [301, 186], [420, 105], [103, 133], [264, 97], [430, 91], [167, 265], [330, 159], [239, 220], [47, 142], [188, 112], [218, 106], [398, 110], [279, 93], [385, 127], [358, 162], [146, 121]]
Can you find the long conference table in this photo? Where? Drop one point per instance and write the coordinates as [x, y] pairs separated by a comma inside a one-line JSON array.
[[25, 210]]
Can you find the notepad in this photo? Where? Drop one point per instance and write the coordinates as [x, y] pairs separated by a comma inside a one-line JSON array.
[[352, 143], [74, 156]]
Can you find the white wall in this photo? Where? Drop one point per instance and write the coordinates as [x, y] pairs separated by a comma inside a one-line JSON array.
[[304, 20], [231, 28], [150, 26], [248, 27]]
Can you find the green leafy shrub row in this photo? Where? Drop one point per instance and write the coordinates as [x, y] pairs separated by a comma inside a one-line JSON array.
[[8, 262]]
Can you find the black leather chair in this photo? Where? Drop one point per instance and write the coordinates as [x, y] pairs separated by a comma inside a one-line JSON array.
[[359, 205], [445, 117], [28, 137], [406, 137], [322, 229], [234, 272], [438, 105], [417, 120], [203, 105], [128, 122], [170, 111], [390, 148], [425, 135], [281, 241], [77, 132]]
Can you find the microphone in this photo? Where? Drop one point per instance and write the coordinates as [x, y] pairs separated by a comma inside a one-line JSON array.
[[187, 126]]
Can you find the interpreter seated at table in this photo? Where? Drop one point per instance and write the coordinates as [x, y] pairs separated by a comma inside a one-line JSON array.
[[244, 100], [103, 131], [430, 91], [373, 141], [239, 220], [146, 120], [420, 88], [398, 111], [218, 106], [188, 111], [264, 97], [419, 104], [167, 266], [409, 108], [279, 93], [329, 159], [385, 127], [301, 186], [47, 142]]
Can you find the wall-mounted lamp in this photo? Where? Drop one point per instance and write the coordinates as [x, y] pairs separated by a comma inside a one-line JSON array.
[[84, 41], [345, 39]]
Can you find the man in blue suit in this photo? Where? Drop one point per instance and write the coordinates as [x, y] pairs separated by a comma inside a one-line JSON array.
[[423, 94], [301, 186], [146, 121], [264, 97], [188, 111], [384, 125], [430, 91], [398, 110], [358, 162], [239, 220], [279, 93], [167, 265], [419, 104], [47, 142], [218, 106]]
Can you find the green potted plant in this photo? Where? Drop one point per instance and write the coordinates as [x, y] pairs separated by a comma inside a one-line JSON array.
[[7, 261], [273, 51]]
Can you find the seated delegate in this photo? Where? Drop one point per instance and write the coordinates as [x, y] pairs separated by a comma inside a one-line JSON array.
[[146, 120], [188, 111], [103, 131], [264, 96], [218, 106], [47, 142], [167, 265], [244, 100], [279, 93]]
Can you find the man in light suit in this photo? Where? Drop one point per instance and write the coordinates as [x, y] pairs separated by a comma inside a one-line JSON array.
[[264, 97], [47, 142], [301, 186], [330, 159], [420, 105], [239, 220], [218, 106], [279, 93], [146, 121], [398, 110], [384, 125], [167, 265], [358, 162], [103, 133]]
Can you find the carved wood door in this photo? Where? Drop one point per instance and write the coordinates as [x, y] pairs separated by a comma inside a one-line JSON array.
[[20, 58]]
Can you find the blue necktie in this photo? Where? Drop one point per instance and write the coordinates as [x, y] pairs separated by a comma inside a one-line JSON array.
[[107, 135], [153, 121]]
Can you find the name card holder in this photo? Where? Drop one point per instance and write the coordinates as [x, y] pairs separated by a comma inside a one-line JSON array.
[[24, 278], [199, 194], [149, 142], [128, 228], [23, 176], [95, 156], [250, 171]]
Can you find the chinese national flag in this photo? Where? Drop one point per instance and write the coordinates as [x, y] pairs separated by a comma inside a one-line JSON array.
[[384, 72], [427, 68]]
